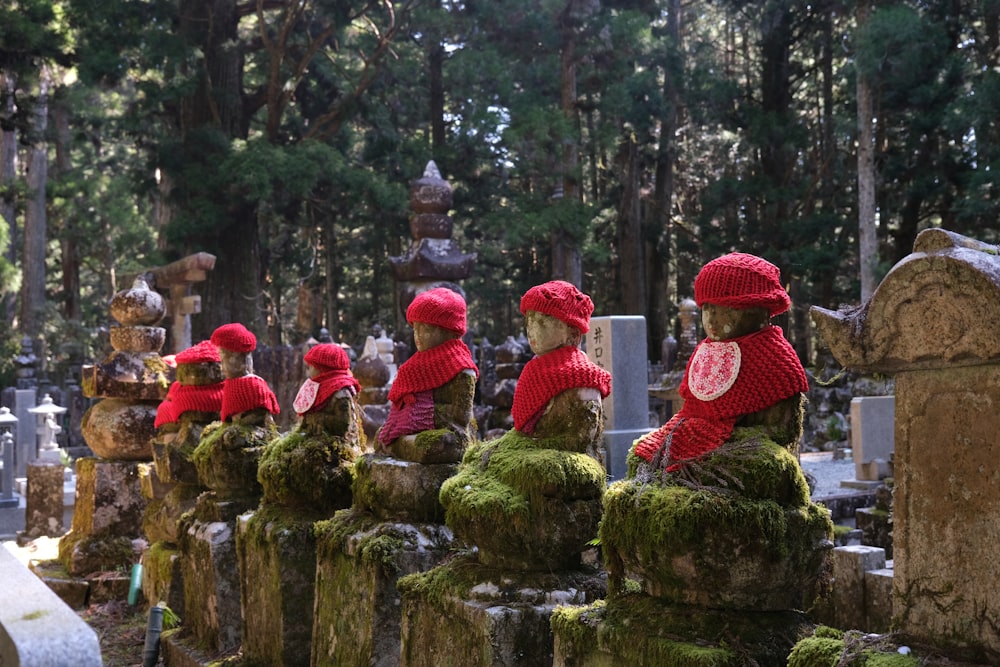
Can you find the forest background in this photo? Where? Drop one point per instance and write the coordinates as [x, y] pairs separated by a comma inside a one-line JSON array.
[[618, 144]]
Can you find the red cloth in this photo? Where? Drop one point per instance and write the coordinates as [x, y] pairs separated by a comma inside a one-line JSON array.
[[548, 375], [412, 392], [415, 413], [246, 393], [183, 398], [739, 280], [430, 369], [204, 352], [767, 372], [441, 307], [316, 391], [561, 300], [234, 337]]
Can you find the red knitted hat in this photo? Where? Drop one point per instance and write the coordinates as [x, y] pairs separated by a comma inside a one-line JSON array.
[[739, 280], [202, 353], [561, 300], [441, 307], [234, 337], [327, 357]]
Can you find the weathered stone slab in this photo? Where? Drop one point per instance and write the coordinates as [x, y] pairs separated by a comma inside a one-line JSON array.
[[849, 595], [618, 345], [873, 420], [464, 614], [360, 559], [38, 628], [211, 585], [277, 563]]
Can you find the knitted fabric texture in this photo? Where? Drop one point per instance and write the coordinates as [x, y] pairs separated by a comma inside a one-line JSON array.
[[768, 372], [441, 307], [316, 391], [413, 414], [550, 374], [739, 280], [431, 368], [327, 357], [183, 398], [204, 352], [234, 337], [246, 393], [561, 300]]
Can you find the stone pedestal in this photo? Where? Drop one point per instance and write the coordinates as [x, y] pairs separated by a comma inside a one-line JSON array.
[[464, 614], [210, 571], [277, 562], [106, 518], [872, 423], [360, 558]]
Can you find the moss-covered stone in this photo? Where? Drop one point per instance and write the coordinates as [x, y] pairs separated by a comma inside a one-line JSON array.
[[277, 555], [831, 648], [86, 554], [360, 559], [302, 470], [735, 530], [642, 630], [463, 613], [525, 505], [162, 577], [396, 490], [227, 457]]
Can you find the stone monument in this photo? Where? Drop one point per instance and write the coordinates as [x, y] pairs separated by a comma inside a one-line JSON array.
[[934, 322], [131, 382]]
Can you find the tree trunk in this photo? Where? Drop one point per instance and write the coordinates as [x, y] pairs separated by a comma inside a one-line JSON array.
[[867, 242], [631, 265], [33, 261], [436, 64], [68, 234], [8, 176], [659, 227], [565, 252]]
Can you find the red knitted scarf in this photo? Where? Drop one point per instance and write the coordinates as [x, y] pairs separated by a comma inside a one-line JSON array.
[[550, 374], [245, 393], [316, 391], [431, 368], [182, 398], [731, 378]]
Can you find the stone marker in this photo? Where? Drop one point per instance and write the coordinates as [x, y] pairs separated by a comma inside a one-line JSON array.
[[872, 424], [618, 345], [934, 321]]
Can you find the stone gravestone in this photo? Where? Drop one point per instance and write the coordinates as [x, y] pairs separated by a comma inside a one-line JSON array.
[[934, 322], [618, 345], [872, 424]]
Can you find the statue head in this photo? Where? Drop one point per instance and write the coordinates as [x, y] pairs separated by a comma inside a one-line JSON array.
[[738, 293], [436, 316], [556, 314]]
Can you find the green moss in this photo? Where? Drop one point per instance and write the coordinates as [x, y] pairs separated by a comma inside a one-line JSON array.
[[379, 544], [840, 531], [300, 469], [576, 627], [453, 579], [34, 615], [816, 652]]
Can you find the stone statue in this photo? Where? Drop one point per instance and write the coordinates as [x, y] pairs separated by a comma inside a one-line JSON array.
[[531, 499], [430, 418], [681, 521], [310, 466], [226, 458], [745, 373]]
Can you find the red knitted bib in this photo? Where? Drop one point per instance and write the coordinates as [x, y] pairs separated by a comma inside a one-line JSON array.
[[431, 368], [550, 374], [182, 398], [316, 391], [246, 393], [723, 381]]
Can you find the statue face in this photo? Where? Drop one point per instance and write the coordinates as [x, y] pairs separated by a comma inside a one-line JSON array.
[[426, 336], [723, 323], [546, 333], [235, 364]]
